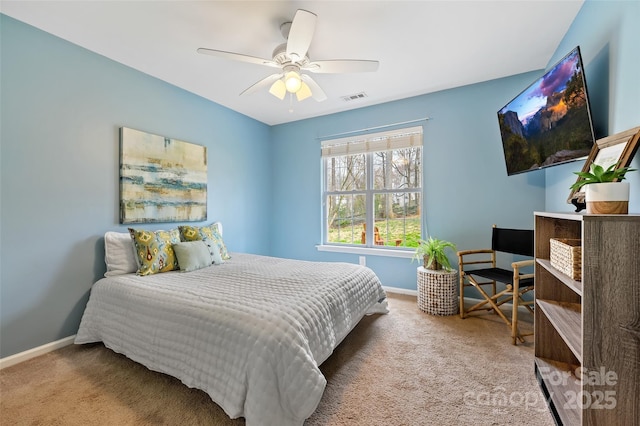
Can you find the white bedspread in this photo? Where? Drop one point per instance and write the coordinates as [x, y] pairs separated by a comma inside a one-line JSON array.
[[251, 332]]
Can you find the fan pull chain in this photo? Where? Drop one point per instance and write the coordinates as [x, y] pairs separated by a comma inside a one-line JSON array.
[[291, 102]]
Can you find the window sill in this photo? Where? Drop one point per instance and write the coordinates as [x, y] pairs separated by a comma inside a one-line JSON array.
[[407, 254]]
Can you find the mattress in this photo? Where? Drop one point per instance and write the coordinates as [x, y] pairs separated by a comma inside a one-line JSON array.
[[250, 332]]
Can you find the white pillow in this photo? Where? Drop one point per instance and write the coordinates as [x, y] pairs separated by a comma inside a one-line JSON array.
[[214, 251], [119, 254]]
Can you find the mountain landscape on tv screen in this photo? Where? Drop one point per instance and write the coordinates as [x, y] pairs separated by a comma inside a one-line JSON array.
[[538, 134]]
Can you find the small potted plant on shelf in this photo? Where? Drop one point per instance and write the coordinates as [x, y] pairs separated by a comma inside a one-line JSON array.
[[433, 254], [604, 191]]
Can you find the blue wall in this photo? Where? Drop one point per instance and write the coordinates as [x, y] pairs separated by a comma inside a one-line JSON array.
[[62, 107], [466, 189], [607, 33]]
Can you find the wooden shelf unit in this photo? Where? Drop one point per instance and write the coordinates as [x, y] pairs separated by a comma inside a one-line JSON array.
[[587, 333]]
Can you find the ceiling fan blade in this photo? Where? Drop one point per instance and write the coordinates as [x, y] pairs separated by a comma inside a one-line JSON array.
[[316, 92], [300, 34], [262, 83], [237, 57], [338, 66]]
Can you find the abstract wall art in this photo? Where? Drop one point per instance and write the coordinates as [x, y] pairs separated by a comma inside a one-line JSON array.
[[161, 179]]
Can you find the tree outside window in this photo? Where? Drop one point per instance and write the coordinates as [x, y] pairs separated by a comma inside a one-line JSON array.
[[372, 189]]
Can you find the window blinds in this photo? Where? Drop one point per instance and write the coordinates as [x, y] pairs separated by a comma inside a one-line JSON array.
[[383, 141]]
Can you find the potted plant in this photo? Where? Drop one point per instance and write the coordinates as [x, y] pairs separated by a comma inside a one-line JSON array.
[[437, 281], [432, 252], [604, 191]]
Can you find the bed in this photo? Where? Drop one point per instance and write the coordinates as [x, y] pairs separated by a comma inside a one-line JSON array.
[[250, 332]]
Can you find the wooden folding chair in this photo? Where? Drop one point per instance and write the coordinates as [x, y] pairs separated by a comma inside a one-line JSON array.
[[513, 241]]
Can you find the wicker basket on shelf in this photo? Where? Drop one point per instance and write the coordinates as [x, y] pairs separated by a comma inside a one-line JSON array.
[[566, 256]]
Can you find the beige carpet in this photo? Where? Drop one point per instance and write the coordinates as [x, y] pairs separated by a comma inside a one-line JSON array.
[[405, 368]]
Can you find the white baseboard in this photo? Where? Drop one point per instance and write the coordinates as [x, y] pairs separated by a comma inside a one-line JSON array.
[[32, 353], [468, 300], [408, 292], [401, 291], [49, 347]]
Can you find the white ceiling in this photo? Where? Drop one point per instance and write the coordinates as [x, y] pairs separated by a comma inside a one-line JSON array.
[[422, 46]]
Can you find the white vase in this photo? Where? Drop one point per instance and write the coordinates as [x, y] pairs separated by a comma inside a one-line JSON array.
[[607, 198]]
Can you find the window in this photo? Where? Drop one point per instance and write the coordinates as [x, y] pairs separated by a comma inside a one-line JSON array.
[[372, 189]]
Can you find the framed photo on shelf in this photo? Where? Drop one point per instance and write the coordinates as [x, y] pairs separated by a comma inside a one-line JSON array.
[[615, 149]]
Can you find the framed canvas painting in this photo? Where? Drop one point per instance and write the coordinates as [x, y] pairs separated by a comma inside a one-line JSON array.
[[161, 179]]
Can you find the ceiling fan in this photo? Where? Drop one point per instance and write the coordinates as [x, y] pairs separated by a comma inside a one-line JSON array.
[[291, 57]]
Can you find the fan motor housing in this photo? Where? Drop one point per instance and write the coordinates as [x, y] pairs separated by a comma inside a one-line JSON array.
[[280, 56]]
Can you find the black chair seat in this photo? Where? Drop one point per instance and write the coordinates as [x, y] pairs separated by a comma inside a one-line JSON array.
[[500, 275], [504, 240]]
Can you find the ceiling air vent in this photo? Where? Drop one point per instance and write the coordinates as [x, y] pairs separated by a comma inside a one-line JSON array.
[[355, 97]]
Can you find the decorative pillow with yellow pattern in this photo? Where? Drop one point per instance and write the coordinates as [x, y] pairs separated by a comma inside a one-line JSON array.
[[199, 233], [154, 250]]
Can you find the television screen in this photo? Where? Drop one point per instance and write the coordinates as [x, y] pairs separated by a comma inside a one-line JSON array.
[[549, 123]]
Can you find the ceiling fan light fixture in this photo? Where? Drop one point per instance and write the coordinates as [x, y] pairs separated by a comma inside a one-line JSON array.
[[304, 92], [292, 81], [292, 59], [278, 89]]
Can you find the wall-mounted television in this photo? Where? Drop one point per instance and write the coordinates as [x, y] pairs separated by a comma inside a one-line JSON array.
[[548, 123]]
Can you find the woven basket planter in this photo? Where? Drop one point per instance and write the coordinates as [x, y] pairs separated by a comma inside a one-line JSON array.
[[438, 291], [566, 256]]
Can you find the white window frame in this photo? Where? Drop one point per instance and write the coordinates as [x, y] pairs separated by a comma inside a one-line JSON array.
[[369, 144]]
